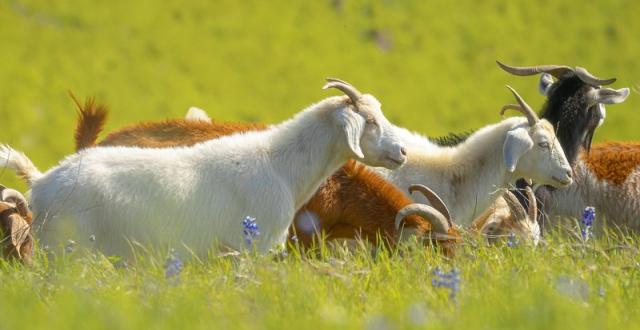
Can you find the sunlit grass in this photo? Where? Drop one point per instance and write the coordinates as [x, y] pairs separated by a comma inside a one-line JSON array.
[[562, 283]]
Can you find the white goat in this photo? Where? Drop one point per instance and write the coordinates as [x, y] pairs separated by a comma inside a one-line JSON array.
[[199, 195], [468, 175]]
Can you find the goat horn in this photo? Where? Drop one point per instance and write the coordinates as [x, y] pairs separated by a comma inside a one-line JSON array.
[[345, 87], [11, 195], [590, 79], [514, 206], [434, 199], [533, 204], [439, 223], [554, 70], [524, 108]]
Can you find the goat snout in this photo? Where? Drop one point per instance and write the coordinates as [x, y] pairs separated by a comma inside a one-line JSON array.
[[397, 155], [566, 179]]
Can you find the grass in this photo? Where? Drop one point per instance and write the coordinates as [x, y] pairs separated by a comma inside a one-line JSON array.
[[431, 63], [564, 283]]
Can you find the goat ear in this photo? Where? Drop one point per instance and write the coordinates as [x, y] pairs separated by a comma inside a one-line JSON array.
[[609, 95], [517, 143], [353, 126], [546, 80], [20, 233]]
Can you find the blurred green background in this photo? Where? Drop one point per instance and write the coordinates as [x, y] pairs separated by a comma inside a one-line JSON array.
[[431, 63]]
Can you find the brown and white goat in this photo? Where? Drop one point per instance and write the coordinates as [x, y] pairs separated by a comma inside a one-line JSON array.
[[607, 178], [507, 217], [352, 203], [15, 224]]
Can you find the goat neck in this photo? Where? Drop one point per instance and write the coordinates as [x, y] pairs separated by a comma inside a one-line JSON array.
[[313, 142], [468, 177]]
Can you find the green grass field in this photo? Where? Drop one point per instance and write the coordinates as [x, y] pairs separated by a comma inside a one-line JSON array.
[[431, 64]]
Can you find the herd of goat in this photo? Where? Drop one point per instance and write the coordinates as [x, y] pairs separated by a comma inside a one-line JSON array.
[[337, 170]]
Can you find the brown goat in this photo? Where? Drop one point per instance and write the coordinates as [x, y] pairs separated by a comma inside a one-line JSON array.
[[15, 224], [353, 203]]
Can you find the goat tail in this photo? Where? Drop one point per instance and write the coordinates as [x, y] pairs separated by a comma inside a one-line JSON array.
[[20, 163], [91, 120]]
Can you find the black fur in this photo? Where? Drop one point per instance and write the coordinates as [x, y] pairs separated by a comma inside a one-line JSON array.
[[451, 140], [575, 124]]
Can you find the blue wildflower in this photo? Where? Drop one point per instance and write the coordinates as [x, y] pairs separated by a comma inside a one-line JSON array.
[[173, 266], [512, 241], [601, 292], [250, 229], [449, 280], [71, 244], [588, 216]]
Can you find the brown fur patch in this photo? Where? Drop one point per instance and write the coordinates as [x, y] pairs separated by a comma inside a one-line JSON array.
[[613, 161]]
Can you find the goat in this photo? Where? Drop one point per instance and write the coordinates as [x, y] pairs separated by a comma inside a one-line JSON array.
[[199, 195], [607, 178], [353, 203], [466, 175], [508, 217], [471, 160], [15, 223], [575, 107]]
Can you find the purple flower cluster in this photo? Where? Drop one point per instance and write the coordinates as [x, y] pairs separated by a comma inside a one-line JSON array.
[[250, 230], [449, 280], [173, 266], [588, 216]]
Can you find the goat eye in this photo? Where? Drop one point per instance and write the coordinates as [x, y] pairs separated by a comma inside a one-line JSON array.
[[372, 121], [544, 145]]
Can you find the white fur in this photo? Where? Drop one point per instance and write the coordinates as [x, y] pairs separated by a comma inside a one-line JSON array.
[[199, 195], [619, 204], [196, 114], [467, 177]]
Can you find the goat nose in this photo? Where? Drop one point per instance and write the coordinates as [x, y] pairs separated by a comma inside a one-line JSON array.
[[569, 174], [403, 151]]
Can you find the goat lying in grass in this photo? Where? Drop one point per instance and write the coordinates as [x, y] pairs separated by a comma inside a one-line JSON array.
[[199, 195], [15, 223], [607, 178], [508, 217], [353, 203]]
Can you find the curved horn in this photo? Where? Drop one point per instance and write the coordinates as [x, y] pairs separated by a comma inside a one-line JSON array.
[[434, 200], [554, 70], [345, 87], [590, 79], [532, 210], [11, 195], [514, 206], [524, 108], [439, 223]]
